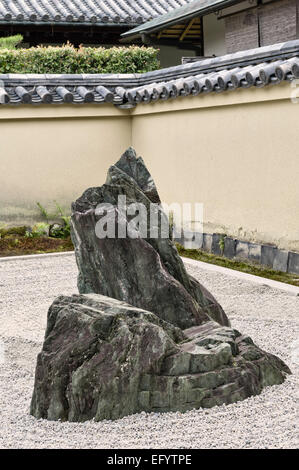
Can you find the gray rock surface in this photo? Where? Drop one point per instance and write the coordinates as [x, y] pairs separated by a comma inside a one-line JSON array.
[[229, 247], [105, 359], [268, 253], [145, 272], [281, 259], [293, 262], [142, 335]]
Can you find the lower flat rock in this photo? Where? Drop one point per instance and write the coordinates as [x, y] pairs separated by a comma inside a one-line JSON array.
[[104, 359]]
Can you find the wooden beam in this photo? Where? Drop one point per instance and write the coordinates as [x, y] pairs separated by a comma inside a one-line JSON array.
[[176, 28], [173, 31], [187, 29], [176, 43]]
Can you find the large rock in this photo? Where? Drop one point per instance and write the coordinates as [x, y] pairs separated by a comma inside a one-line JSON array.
[[105, 359], [142, 334], [145, 272]]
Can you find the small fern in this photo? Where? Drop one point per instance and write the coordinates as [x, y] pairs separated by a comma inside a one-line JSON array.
[[43, 212]]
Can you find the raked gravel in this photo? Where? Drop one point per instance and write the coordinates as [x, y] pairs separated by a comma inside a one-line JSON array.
[[269, 420]]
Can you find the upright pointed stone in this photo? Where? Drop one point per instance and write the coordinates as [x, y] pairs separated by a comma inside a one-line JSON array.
[[134, 167], [145, 272]]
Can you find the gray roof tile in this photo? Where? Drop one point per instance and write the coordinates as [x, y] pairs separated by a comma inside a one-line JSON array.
[[131, 12], [256, 67]]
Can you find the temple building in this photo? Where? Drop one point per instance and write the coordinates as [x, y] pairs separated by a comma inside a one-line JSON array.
[[179, 28]]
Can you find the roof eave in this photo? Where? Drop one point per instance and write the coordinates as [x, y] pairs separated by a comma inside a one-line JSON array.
[[201, 11]]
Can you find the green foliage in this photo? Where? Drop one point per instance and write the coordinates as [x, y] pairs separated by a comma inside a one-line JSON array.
[[39, 230], [56, 230], [61, 231], [68, 59], [64, 230], [10, 42], [43, 211]]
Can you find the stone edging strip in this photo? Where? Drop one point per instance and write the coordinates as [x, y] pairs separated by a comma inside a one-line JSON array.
[[243, 276], [232, 248]]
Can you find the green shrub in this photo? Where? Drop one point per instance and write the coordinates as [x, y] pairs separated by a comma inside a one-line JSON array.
[[39, 230], [10, 42], [68, 59], [63, 230], [56, 230]]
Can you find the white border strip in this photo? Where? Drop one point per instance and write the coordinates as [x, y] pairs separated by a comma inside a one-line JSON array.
[[42, 255], [243, 276]]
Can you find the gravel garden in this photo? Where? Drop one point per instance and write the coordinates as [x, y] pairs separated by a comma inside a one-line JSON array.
[[145, 356], [268, 420]]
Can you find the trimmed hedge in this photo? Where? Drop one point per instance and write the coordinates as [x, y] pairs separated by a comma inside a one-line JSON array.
[[68, 59], [10, 42]]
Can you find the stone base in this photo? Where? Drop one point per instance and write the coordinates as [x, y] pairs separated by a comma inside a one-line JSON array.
[[105, 359]]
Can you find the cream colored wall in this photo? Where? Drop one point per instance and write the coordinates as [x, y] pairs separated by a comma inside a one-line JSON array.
[[237, 153], [44, 159]]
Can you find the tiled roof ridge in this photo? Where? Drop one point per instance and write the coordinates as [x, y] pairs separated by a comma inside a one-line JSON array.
[[241, 58], [126, 12], [256, 67]]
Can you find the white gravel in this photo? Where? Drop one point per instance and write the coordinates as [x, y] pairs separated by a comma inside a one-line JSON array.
[[270, 316]]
